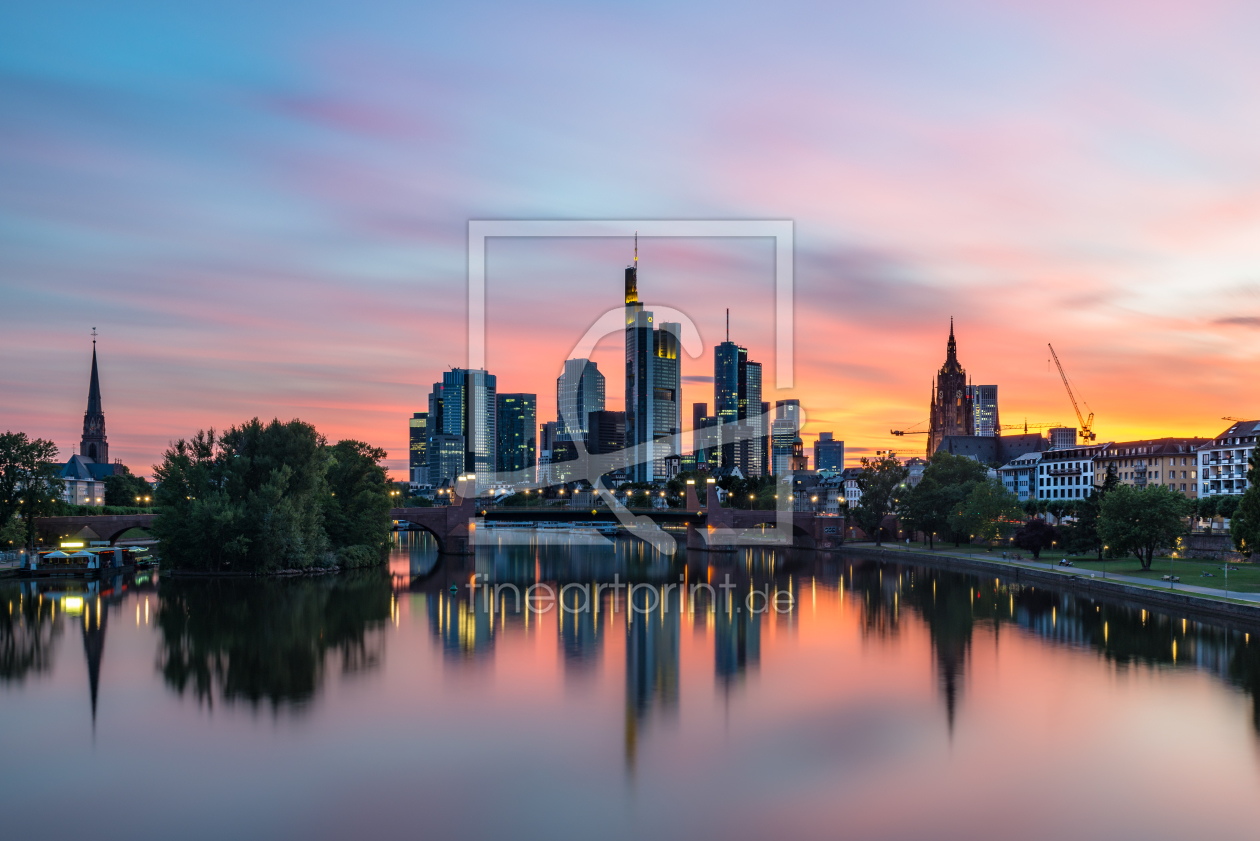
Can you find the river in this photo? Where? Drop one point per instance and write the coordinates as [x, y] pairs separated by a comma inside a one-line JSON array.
[[847, 699]]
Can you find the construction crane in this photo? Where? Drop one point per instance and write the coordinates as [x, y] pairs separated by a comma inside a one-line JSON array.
[[1236, 420], [1027, 426], [911, 430], [1087, 431]]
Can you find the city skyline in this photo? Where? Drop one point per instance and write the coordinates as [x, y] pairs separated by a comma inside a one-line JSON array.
[[266, 230]]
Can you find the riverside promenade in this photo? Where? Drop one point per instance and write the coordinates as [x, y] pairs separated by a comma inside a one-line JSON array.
[[1212, 601]]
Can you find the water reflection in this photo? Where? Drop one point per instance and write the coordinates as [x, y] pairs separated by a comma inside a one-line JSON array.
[[267, 640], [949, 605]]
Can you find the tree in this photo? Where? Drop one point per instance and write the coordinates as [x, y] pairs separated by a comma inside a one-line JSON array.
[[985, 511], [946, 482], [1206, 509], [123, 488], [1036, 535], [1226, 506], [357, 510], [250, 499], [30, 482], [1142, 521], [879, 481], [1244, 526], [1083, 535]]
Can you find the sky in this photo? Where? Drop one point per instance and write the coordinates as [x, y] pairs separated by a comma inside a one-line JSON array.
[[263, 207]]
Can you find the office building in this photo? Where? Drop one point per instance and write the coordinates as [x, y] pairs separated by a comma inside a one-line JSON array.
[[446, 458], [1062, 437], [706, 438], [653, 379], [783, 431], [465, 404], [418, 454], [579, 391], [985, 406], [828, 453], [607, 432], [517, 427], [1223, 460], [766, 422]]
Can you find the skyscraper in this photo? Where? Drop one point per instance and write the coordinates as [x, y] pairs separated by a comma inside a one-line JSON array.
[[653, 377], [783, 432], [984, 403], [517, 425], [418, 454], [579, 391], [464, 403], [828, 453], [737, 402], [706, 437]]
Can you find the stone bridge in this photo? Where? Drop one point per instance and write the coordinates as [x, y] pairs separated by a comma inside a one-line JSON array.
[[106, 526]]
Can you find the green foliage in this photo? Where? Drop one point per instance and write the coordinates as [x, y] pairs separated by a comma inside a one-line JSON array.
[[1083, 536], [122, 489], [1036, 535], [357, 511], [947, 481], [986, 511], [1226, 506], [30, 486], [880, 481], [1142, 522], [11, 532], [263, 497], [1244, 526]]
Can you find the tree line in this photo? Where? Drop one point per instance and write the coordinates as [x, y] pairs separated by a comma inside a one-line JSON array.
[[956, 500]]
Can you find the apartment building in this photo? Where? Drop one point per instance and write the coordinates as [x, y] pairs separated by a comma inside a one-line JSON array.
[[1020, 475], [1066, 473], [1161, 461], [1222, 461]]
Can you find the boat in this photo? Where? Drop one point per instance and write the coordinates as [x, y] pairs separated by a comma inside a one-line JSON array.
[[87, 563]]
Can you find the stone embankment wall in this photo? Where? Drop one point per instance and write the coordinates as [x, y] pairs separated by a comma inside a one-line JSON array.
[[1216, 547]]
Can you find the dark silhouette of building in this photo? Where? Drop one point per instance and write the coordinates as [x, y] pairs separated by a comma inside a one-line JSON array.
[[828, 453], [608, 432], [517, 428], [418, 454], [94, 444], [952, 412]]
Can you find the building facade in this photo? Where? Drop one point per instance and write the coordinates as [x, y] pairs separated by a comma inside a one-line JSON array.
[[984, 402], [1062, 437], [418, 447], [1020, 475], [951, 411], [465, 404], [1222, 461], [1157, 461], [653, 402], [517, 429], [828, 453], [785, 428], [737, 406], [1067, 473], [579, 391]]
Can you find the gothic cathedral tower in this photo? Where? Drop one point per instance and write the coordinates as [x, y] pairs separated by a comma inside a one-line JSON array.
[[94, 445], [951, 399]]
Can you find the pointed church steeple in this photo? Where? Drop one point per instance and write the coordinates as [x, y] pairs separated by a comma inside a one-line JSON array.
[[94, 444], [951, 350]]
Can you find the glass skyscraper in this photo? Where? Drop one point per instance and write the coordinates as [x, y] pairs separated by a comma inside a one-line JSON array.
[[737, 403], [985, 406], [517, 424], [418, 456], [579, 392], [464, 404], [653, 378]]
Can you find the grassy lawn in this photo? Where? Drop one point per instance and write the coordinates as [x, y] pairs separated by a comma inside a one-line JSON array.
[[1243, 577]]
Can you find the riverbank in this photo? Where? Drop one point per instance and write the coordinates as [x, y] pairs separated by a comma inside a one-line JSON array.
[[1205, 602]]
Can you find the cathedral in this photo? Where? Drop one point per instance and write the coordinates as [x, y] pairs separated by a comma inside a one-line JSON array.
[[85, 473], [952, 411]]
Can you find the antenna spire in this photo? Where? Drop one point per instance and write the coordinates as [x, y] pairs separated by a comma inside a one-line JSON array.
[[728, 324], [636, 249]]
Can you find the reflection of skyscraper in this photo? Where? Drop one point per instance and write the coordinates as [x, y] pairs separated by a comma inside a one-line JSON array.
[[736, 642], [653, 379], [651, 660], [466, 628], [581, 630]]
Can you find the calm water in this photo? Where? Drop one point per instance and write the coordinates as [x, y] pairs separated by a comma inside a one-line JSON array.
[[889, 702]]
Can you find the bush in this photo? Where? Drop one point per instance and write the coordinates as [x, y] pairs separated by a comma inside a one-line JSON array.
[[358, 556]]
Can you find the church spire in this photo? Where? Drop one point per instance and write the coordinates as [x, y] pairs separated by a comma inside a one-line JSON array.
[[951, 350], [94, 444]]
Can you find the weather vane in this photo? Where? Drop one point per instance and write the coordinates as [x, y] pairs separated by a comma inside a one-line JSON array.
[[93, 335]]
